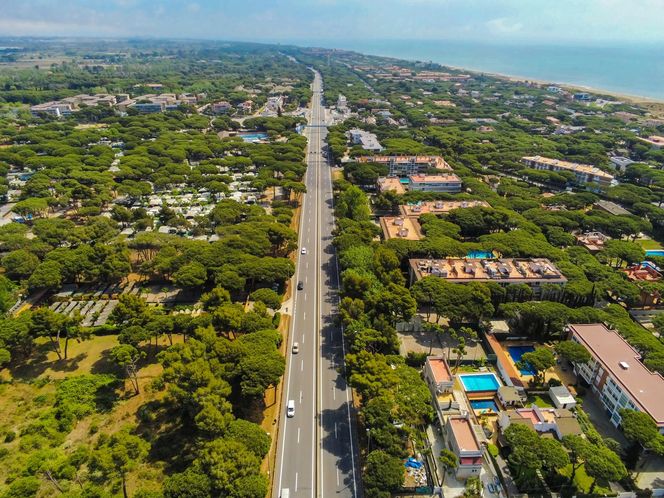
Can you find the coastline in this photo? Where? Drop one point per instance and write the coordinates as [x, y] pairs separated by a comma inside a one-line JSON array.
[[384, 51], [633, 99]]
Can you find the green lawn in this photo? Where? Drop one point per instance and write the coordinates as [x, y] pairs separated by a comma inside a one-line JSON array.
[[649, 244], [583, 481], [543, 401]]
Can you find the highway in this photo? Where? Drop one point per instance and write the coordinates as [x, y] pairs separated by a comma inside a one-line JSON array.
[[317, 447]]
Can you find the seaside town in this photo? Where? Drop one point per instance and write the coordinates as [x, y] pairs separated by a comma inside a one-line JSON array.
[[443, 283]]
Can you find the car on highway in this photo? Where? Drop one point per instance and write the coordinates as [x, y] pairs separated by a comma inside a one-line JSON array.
[[290, 410], [300, 285], [296, 347], [304, 250]]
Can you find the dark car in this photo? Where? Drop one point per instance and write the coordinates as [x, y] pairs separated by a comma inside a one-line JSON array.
[[300, 285]]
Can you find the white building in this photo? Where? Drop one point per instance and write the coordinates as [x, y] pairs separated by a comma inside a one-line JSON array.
[[584, 173], [367, 140]]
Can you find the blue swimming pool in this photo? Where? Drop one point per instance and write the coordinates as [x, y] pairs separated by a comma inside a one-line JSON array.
[[479, 382], [480, 255], [253, 137], [516, 352], [655, 252], [484, 404]]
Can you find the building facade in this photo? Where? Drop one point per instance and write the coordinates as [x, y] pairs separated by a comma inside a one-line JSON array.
[[408, 165], [617, 375], [435, 183], [584, 173]]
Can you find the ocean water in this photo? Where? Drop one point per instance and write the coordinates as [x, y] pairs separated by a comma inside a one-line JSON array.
[[626, 69]]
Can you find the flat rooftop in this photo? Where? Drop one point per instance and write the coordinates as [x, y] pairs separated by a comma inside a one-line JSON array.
[[432, 161], [400, 227], [439, 367], [387, 183], [624, 364], [438, 207], [577, 167], [463, 433], [433, 178], [461, 270], [593, 241]]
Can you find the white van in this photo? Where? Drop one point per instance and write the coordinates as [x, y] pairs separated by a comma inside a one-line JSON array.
[[285, 493], [290, 411]]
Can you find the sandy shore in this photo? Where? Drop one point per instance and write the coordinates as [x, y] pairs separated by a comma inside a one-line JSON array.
[[634, 99]]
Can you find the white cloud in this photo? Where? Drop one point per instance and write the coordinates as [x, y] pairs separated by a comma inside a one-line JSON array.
[[502, 25]]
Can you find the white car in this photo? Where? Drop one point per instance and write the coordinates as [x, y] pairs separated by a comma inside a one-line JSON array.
[[304, 250], [296, 348], [290, 408]]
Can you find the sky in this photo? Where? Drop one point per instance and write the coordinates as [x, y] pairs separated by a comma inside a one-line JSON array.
[[309, 21]]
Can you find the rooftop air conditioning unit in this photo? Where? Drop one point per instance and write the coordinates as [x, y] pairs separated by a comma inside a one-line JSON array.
[[624, 365]]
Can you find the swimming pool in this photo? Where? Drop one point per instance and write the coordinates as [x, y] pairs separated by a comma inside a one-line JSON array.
[[253, 137], [479, 382], [516, 352], [655, 252], [484, 404], [480, 255]]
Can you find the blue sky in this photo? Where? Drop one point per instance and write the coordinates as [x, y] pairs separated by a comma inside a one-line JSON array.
[[307, 21]]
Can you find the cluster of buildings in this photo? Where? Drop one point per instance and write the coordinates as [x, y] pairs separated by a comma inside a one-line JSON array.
[[462, 400], [415, 173], [584, 173], [149, 103], [398, 73], [471, 406]]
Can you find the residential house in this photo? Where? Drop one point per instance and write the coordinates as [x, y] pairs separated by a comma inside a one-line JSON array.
[[511, 396], [561, 397], [462, 439], [557, 421]]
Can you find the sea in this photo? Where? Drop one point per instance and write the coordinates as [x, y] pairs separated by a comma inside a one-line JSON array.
[[626, 69]]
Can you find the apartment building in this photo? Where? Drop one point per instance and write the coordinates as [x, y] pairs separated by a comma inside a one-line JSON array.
[[435, 183], [532, 272], [584, 173], [408, 165], [55, 108], [617, 375], [463, 441]]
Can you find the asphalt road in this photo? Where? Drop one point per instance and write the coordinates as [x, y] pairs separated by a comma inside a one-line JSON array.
[[317, 447]]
